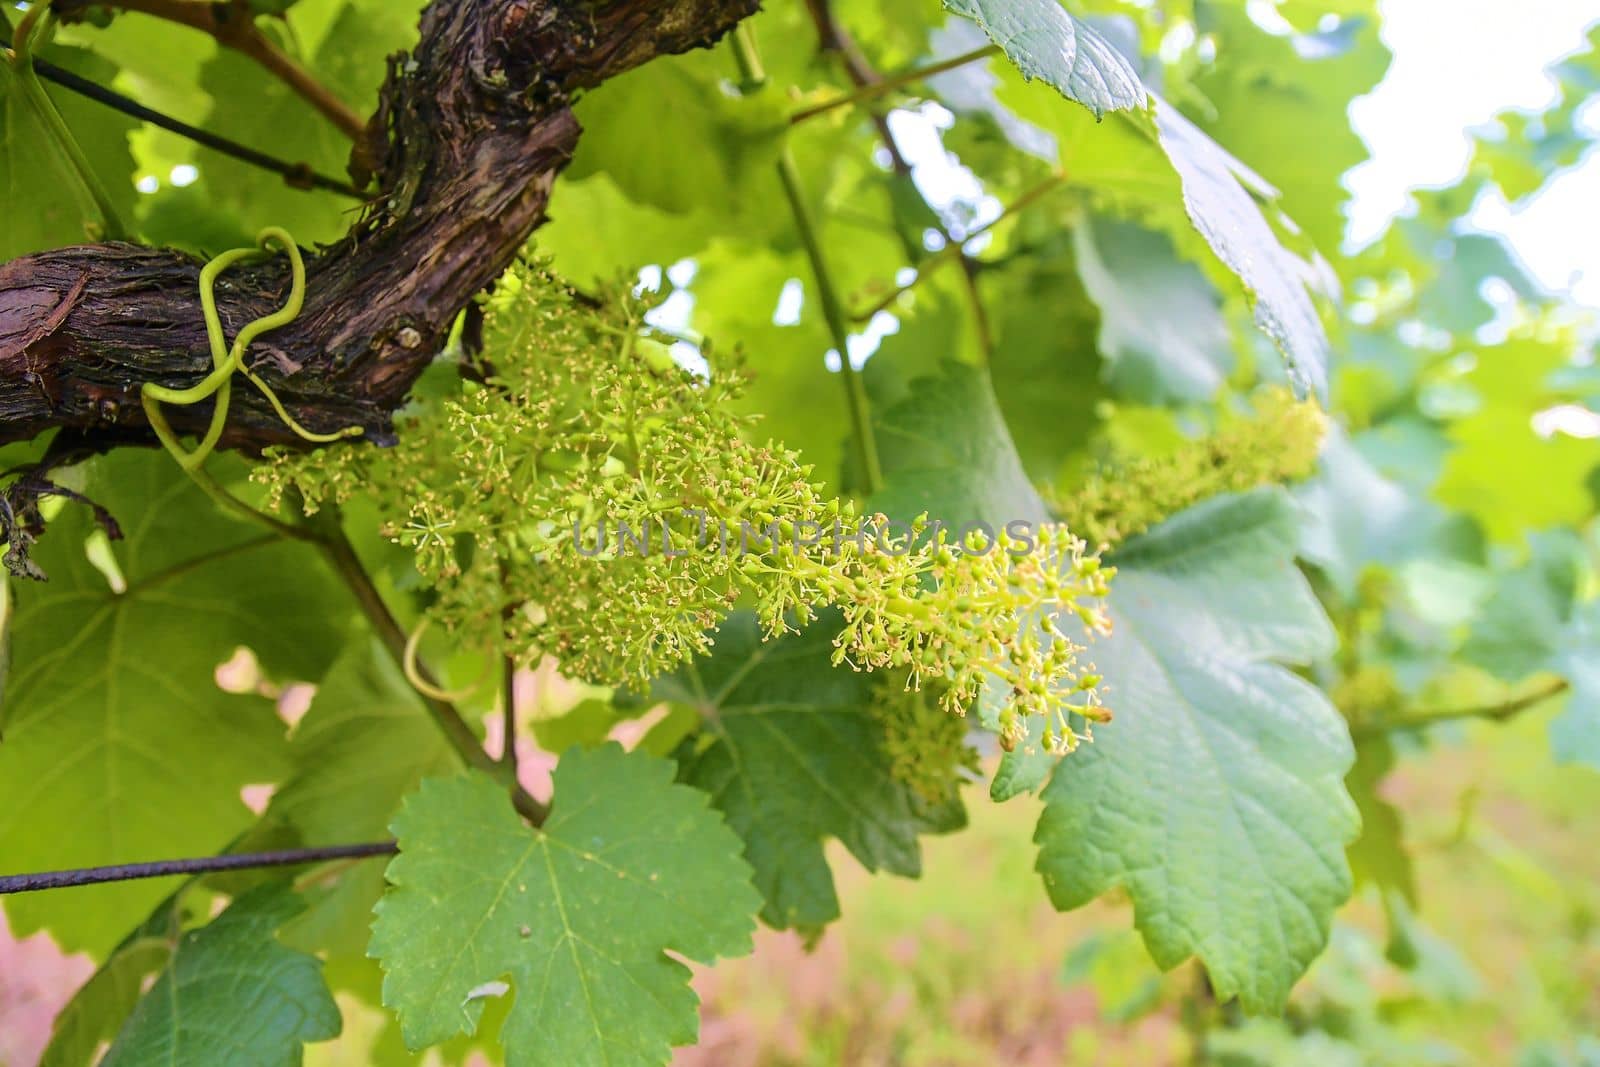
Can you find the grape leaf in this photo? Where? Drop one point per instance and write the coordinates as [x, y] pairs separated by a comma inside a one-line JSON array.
[[792, 755], [232, 994], [945, 450], [1353, 518], [1161, 323], [365, 743], [1070, 55], [256, 108], [1535, 622], [579, 914], [42, 210], [1216, 797], [94, 1013], [1379, 856], [1146, 170], [1217, 193], [1279, 103], [119, 746], [647, 115]]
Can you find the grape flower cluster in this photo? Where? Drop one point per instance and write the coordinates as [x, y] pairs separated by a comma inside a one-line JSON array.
[[1278, 441], [584, 423]]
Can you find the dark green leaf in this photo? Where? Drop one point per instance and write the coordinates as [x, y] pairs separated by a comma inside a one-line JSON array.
[[793, 755], [1216, 797], [232, 994], [119, 745]]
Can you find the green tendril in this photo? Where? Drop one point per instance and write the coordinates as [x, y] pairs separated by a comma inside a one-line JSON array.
[[226, 360]]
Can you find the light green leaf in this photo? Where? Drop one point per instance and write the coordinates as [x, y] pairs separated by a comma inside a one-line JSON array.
[[1279, 102], [258, 109], [232, 994], [1354, 518], [119, 746], [1379, 856], [42, 210], [737, 288], [637, 126], [1047, 43], [1219, 193], [793, 755], [945, 450], [580, 915], [364, 744], [1216, 797], [1535, 622], [1161, 321]]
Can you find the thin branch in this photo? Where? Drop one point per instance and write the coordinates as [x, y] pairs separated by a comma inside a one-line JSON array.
[[833, 312], [127, 872], [834, 38], [955, 248], [342, 555], [1493, 712], [873, 89], [508, 720], [296, 175], [754, 77], [233, 25]]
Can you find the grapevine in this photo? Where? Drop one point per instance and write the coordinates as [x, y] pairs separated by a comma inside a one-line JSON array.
[[589, 425], [830, 428]]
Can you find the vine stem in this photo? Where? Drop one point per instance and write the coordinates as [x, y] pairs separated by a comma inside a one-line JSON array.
[[127, 872], [342, 555], [833, 38], [754, 78], [874, 89], [508, 713], [1494, 712], [232, 24], [36, 23]]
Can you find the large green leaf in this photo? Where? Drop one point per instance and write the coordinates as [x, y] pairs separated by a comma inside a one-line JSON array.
[[1353, 517], [1279, 102], [793, 755], [232, 994], [1161, 321], [91, 1018], [1067, 53], [1169, 170], [635, 124], [580, 915], [1220, 194], [364, 744], [945, 451], [42, 210], [1537, 622], [1216, 796], [257, 109], [119, 746]]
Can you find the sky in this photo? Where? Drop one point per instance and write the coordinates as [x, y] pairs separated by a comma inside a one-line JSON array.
[[1457, 63]]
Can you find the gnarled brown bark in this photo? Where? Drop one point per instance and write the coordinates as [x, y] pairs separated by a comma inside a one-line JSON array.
[[473, 130]]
